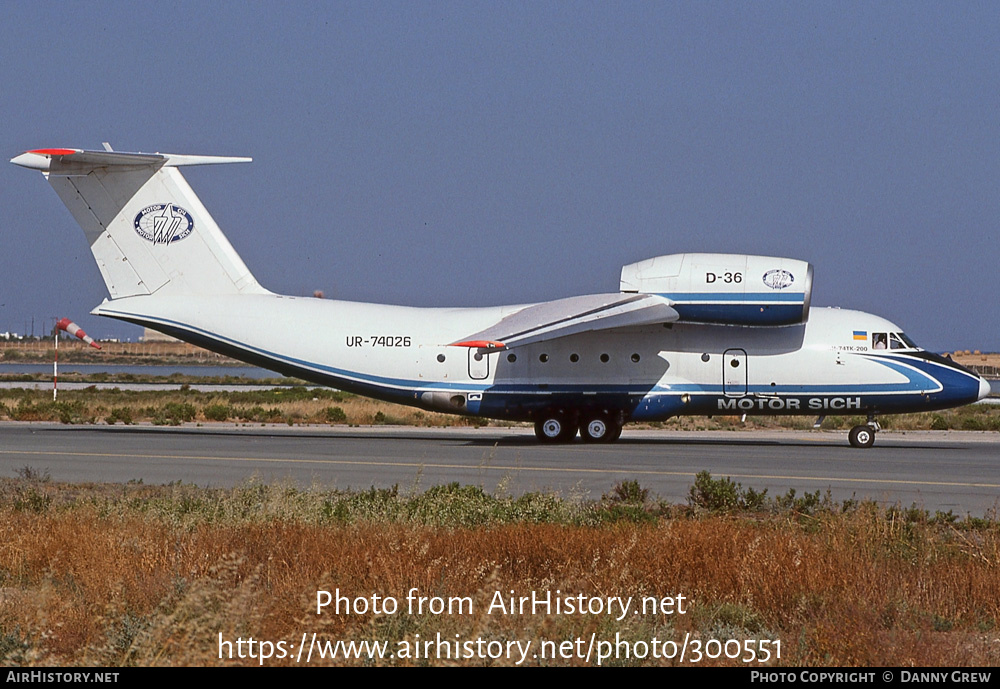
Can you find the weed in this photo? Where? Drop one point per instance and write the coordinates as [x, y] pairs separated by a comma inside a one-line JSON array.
[[336, 415], [217, 412], [30, 473], [14, 647], [31, 500], [179, 411], [807, 504], [724, 495], [123, 414], [628, 492]]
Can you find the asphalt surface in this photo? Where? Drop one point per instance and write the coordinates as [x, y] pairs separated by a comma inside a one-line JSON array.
[[936, 470]]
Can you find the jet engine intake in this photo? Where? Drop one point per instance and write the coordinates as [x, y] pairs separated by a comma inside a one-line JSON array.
[[726, 289]]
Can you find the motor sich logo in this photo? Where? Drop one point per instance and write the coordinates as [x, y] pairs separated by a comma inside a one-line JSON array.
[[778, 279], [163, 223]]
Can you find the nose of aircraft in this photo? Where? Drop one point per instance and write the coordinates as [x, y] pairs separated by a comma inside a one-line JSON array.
[[984, 387]]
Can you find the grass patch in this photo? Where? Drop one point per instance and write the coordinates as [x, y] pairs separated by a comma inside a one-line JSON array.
[[135, 574]]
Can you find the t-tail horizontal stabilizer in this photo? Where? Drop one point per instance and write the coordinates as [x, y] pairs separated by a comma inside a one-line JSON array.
[[64, 160], [147, 229]]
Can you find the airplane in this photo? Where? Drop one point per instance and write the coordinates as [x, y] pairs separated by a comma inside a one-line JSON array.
[[686, 334]]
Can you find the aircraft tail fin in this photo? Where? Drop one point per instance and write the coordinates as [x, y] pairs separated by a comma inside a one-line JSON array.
[[147, 229]]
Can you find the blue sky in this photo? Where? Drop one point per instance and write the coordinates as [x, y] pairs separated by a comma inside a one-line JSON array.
[[437, 153]]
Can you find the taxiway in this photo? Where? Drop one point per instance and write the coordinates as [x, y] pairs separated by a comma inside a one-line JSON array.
[[935, 470]]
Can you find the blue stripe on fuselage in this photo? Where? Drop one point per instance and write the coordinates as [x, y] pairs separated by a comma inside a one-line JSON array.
[[955, 385], [928, 385]]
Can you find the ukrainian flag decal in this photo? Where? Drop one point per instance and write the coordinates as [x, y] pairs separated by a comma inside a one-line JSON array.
[[860, 334]]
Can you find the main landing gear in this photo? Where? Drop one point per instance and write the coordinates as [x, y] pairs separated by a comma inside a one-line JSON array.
[[555, 428], [863, 437], [600, 429], [560, 427]]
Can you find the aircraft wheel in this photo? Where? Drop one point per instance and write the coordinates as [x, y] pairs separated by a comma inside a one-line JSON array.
[[862, 437], [600, 429], [555, 429]]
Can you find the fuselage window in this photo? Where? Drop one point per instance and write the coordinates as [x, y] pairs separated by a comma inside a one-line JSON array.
[[441, 358], [895, 342], [543, 358], [512, 358], [605, 358], [635, 358], [574, 358], [880, 340]]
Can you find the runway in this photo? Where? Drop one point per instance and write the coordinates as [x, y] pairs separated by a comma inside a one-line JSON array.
[[936, 470]]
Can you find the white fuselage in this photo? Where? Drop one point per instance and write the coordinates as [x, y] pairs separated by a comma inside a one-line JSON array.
[[403, 354]]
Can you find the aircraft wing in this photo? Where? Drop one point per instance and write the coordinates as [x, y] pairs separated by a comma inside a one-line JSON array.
[[571, 316]]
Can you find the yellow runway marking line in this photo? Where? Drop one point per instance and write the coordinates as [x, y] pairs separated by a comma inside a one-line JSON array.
[[891, 481], [502, 467], [339, 462]]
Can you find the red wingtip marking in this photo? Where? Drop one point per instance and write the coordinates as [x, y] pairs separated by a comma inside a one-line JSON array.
[[482, 344], [54, 151]]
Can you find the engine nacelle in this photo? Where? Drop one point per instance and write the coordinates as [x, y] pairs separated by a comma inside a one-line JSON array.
[[729, 289]]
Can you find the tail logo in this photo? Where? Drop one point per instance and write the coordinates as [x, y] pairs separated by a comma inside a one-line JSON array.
[[778, 279], [163, 223]]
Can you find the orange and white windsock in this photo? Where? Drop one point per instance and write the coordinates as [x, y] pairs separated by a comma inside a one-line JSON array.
[[73, 329]]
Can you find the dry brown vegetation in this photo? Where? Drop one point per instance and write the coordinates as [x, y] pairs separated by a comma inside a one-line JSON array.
[[133, 574]]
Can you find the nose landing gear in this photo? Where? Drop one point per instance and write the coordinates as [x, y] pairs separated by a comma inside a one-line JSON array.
[[863, 437]]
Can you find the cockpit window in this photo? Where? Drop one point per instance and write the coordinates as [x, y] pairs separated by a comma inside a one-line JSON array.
[[892, 341]]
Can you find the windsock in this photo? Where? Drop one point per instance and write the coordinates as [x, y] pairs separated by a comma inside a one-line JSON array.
[[73, 329]]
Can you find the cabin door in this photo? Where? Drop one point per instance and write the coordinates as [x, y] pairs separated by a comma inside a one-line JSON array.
[[479, 364], [734, 372]]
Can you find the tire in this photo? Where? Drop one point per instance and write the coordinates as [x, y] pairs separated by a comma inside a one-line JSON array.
[[555, 428], [862, 437], [600, 429]]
